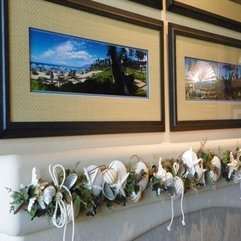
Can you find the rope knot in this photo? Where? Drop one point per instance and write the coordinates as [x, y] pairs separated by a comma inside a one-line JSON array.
[[59, 196]]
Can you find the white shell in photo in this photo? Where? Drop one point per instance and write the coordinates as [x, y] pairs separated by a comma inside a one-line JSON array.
[[110, 175], [216, 163], [108, 192], [145, 179], [48, 194], [95, 179], [135, 197]]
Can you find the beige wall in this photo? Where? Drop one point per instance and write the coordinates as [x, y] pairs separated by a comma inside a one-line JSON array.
[[49, 144]]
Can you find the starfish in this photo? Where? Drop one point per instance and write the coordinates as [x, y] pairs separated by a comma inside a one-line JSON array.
[[118, 186], [91, 179]]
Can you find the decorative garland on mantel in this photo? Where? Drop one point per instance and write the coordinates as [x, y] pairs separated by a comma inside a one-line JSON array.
[[71, 192]]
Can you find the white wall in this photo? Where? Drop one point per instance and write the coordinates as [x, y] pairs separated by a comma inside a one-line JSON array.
[[50, 144]]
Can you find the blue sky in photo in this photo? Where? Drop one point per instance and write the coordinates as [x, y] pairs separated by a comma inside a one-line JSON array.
[[53, 48]]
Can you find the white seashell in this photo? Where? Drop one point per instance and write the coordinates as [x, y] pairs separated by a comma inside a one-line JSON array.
[[95, 179], [110, 175], [161, 172], [48, 194], [76, 209], [70, 180], [135, 197], [178, 186], [168, 179], [108, 192], [31, 203], [216, 162], [237, 177], [214, 175], [122, 176], [200, 176], [190, 159], [233, 165], [120, 168], [141, 166], [176, 167]]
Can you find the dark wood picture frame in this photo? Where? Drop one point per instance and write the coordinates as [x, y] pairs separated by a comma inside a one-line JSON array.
[[12, 129], [157, 4], [202, 15], [175, 30]]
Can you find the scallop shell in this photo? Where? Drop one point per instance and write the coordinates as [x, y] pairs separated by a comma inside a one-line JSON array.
[[97, 179], [121, 170], [201, 71], [110, 175], [70, 180], [216, 163], [48, 194], [190, 159], [108, 192], [141, 166], [135, 197], [179, 187]]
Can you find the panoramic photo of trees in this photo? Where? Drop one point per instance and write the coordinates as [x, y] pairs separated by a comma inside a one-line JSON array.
[[67, 64]]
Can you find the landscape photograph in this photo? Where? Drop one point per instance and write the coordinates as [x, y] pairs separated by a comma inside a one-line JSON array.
[[209, 80], [67, 64]]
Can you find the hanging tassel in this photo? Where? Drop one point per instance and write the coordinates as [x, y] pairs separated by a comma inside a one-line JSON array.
[[179, 189]]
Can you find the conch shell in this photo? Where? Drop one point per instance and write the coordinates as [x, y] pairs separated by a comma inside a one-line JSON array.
[[139, 168], [166, 177], [216, 173]]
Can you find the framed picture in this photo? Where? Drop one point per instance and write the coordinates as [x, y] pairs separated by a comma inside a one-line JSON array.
[[150, 3], [227, 14], [88, 69], [204, 80]]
